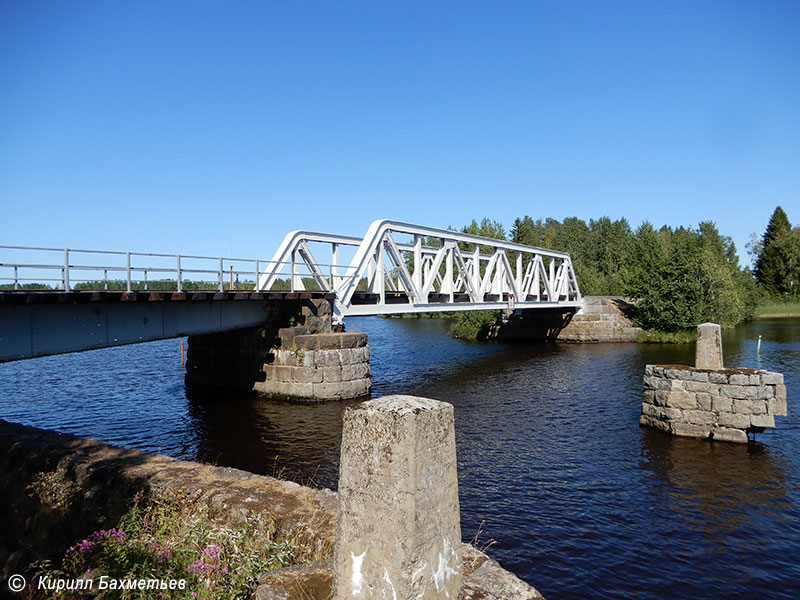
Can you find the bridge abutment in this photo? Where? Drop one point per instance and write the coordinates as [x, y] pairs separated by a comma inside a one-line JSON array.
[[530, 325]]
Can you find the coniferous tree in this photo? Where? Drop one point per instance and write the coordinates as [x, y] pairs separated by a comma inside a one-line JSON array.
[[771, 270]]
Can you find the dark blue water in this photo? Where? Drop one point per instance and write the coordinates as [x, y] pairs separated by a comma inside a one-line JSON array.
[[580, 500]]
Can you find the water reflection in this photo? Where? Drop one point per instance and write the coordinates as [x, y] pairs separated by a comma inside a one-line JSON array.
[[296, 440], [720, 490]]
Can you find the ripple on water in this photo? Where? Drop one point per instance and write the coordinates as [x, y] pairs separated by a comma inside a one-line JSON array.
[[580, 500]]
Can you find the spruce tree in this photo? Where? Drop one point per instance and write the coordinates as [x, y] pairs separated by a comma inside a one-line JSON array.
[[770, 268]]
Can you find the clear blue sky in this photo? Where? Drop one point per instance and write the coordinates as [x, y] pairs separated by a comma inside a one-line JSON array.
[[183, 126]]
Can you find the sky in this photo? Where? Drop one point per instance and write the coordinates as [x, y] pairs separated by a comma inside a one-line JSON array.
[[214, 128]]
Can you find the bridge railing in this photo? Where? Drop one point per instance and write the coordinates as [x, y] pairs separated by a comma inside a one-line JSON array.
[[31, 268], [400, 267]]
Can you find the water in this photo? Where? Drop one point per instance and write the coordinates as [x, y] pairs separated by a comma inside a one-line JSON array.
[[581, 501]]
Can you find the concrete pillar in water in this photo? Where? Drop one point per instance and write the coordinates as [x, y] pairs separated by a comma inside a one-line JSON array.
[[708, 353], [398, 533]]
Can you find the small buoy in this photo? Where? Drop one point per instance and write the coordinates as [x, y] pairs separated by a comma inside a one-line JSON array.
[[758, 348]]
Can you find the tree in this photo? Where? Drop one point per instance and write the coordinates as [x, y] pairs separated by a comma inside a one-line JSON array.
[[771, 270]]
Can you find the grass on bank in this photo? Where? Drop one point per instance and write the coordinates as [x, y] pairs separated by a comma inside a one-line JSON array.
[[662, 337], [173, 538], [779, 309]]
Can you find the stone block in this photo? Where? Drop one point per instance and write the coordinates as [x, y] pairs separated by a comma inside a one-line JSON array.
[[717, 377], [690, 430], [649, 397], [357, 371], [278, 372], [283, 357], [660, 397], [655, 423], [306, 375], [327, 358], [762, 421], [316, 308], [738, 391], [776, 407], [701, 376], [780, 392], [650, 410], [331, 374], [739, 379], [285, 389], [353, 356], [704, 401], [721, 404], [727, 434], [648, 369], [677, 399], [764, 392], [706, 388], [398, 532], [735, 420], [770, 378], [331, 341], [750, 407], [342, 390], [353, 339], [660, 383], [307, 342], [287, 335], [317, 324], [708, 350], [699, 417], [677, 374]]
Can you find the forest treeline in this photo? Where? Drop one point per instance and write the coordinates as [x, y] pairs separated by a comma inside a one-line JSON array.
[[681, 276]]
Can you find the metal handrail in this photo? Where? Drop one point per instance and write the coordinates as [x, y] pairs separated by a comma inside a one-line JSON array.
[[69, 271]]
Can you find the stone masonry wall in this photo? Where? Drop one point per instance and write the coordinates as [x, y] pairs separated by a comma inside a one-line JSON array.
[[320, 366], [721, 404], [601, 319]]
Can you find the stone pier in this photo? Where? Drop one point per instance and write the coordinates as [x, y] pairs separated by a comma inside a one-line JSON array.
[[711, 401], [296, 354], [398, 533], [312, 361]]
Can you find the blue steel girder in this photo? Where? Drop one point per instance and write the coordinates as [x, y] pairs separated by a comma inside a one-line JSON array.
[[31, 330]]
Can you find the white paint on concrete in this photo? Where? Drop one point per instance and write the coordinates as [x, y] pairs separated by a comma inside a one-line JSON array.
[[444, 571], [389, 581], [357, 579]]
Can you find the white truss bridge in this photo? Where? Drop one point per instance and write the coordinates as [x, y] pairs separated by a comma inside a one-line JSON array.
[[402, 268]]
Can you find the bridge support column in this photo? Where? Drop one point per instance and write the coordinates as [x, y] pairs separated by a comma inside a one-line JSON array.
[[311, 361]]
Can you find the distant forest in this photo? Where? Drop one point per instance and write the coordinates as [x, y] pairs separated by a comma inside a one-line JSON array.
[[681, 276]]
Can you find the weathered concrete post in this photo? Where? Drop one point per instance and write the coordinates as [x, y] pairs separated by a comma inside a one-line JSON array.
[[708, 353], [398, 534]]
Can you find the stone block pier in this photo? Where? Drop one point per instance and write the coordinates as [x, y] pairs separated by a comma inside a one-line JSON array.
[[296, 354], [712, 401]]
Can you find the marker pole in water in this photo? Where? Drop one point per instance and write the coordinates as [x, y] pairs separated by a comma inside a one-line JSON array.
[[758, 347], [181, 352]]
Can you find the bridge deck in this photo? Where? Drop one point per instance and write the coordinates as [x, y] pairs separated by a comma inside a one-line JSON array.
[[38, 297]]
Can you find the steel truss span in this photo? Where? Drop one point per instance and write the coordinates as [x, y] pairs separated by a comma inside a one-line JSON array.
[[403, 268]]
